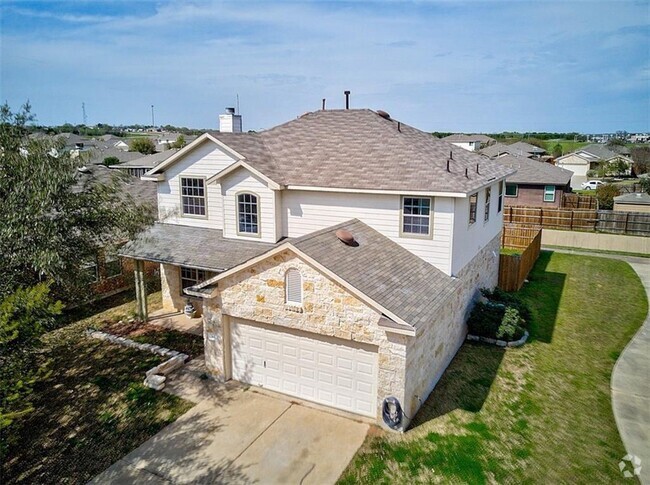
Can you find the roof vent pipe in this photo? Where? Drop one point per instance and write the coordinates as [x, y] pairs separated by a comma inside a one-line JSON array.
[[323, 104], [451, 155], [477, 169], [466, 174], [399, 126], [448, 166], [347, 99]]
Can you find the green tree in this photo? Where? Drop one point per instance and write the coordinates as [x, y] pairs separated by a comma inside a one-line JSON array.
[[50, 222], [556, 151], [180, 142], [143, 144], [108, 161], [605, 195], [641, 157], [645, 184]]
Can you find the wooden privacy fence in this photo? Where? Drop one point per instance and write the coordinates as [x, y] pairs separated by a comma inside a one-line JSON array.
[[577, 201], [632, 223], [514, 268]]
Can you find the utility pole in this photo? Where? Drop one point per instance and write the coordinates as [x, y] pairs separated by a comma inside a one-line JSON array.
[[83, 110], [153, 121]]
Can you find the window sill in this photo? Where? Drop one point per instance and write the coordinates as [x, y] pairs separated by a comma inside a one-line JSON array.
[[294, 307]]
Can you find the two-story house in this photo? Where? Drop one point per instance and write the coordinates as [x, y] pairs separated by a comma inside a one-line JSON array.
[[337, 255]]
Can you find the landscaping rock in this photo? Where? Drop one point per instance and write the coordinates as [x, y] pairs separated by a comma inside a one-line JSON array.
[[155, 382], [168, 366], [155, 377]]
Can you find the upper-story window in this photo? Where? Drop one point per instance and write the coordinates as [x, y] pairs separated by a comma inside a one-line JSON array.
[[500, 203], [473, 202], [293, 287], [248, 214], [416, 216], [488, 194], [193, 196]]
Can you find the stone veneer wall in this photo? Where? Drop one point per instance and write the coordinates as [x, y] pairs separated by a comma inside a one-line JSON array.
[[429, 354], [258, 293], [170, 285]]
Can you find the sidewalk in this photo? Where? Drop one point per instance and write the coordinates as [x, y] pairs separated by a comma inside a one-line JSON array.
[[631, 377]]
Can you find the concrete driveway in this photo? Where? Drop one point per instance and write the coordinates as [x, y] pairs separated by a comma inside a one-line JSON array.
[[241, 435]]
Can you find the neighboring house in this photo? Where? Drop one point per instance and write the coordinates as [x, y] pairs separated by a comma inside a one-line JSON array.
[[164, 141], [98, 154], [473, 143], [337, 256], [639, 202], [517, 149], [109, 273], [536, 183], [588, 158], [142, 164]]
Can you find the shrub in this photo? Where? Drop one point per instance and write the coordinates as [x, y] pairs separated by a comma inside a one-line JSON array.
[[503, 316], [509, 300], [143, 144], [108, 161], [485, 319], [509, 324], [605, 195]]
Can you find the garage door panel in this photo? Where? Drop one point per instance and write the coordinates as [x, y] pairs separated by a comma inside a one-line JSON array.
[[319, 369]]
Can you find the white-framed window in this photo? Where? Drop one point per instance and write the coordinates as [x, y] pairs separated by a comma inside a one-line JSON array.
[[488, 194], [293, 287], [512, 190], [416, 216], [193, 196], [248, 214], [473, 202], [549, 193], [192, 277], [500, 202]]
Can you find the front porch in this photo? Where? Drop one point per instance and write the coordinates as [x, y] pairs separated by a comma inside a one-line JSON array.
[[187, 255], [172, 320]]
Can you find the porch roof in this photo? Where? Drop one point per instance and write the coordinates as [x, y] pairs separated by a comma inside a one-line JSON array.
[[192, 246]]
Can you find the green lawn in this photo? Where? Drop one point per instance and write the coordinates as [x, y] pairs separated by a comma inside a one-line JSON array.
[[92, 409], [568, 146], [540, 413]]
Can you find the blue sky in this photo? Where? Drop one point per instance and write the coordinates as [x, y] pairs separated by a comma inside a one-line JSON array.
[[439, 66]]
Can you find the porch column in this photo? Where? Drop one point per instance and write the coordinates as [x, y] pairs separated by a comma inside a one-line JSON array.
[[140, 291]]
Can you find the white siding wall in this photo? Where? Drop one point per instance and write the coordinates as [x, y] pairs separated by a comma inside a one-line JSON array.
[[243, 181], [470, 239], [204, 161], [306, 211], [576, 164]]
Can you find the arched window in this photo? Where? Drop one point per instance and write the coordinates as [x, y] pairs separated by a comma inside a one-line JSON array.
[[248, 214], [293, 287]]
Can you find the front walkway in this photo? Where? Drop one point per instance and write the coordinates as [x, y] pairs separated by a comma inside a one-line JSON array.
[[631, 378], [238, 435]]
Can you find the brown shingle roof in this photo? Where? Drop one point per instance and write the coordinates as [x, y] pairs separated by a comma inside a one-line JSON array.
[[398, 280], [192, 246], [359, 149], [534, 172]]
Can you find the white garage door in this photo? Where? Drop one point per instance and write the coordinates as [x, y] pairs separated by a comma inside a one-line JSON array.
[[328, 371]]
